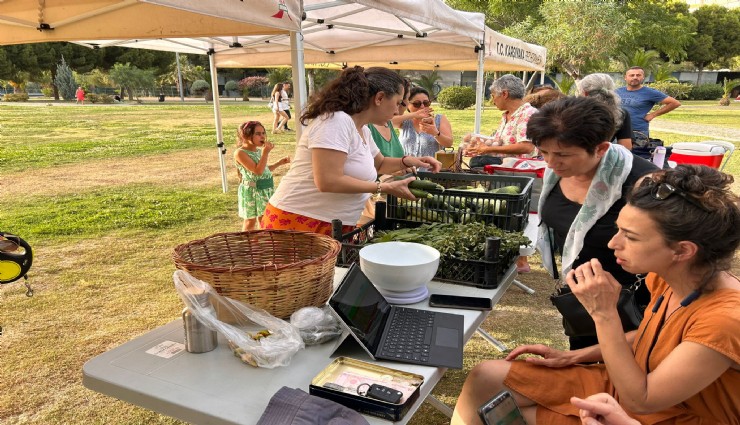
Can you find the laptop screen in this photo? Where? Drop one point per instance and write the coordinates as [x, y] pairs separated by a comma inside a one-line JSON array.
[[361, 307]]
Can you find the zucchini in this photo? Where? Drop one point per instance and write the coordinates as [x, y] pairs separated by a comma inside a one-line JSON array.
[[419, 193], [426, 185], [436, 202], [425, 215]]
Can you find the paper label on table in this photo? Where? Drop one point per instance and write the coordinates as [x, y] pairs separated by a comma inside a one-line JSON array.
[[167, 349]]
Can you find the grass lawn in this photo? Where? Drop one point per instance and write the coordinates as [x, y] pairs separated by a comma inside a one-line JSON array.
[[103, 194]]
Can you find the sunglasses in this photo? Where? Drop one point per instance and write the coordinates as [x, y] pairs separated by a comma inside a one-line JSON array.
[[663, 191], [418, 103]]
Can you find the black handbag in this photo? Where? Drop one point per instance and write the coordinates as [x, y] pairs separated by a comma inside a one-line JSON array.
[[576, 320]]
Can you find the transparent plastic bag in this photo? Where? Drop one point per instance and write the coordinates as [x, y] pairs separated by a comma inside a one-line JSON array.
[[276, 349], [316, 325]]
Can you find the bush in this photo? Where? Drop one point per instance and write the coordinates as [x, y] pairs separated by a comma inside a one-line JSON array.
[[99, 98], [199, 87], [252, 86], [231, 85], [456, 97], [706, 92], [47, 91], [675, 90], [16, 97]]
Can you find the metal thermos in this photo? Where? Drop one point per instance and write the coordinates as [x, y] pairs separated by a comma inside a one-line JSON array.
[[198, 337]]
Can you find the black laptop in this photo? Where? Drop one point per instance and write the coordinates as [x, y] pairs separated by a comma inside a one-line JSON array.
[[390, 332]]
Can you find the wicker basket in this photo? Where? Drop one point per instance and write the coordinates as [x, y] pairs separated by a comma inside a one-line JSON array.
[[280, 271]]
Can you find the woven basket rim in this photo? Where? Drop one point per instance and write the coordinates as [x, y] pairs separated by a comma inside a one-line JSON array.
[[334, 248]]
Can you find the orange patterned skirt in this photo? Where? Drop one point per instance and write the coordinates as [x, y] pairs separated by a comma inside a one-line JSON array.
[[275, 218]]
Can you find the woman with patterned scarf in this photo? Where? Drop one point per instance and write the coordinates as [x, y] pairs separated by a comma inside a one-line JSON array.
[[585, 186]]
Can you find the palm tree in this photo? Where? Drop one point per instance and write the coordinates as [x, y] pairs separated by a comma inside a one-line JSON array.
[[727, 87], [279, 75], [648, 60], [429, 83], [566, 84], [664, 72]]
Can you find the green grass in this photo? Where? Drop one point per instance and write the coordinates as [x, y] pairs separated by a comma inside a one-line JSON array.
[[94, 213], [104, 193], [705, 113], [42, 136]]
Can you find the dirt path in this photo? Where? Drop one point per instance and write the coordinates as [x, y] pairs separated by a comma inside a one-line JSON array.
[[193, 168], [690, 129]]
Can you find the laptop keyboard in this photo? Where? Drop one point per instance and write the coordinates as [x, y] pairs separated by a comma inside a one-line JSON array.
[[410, 335]]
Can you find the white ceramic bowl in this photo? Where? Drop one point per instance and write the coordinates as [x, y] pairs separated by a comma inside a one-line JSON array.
[[399, 266]]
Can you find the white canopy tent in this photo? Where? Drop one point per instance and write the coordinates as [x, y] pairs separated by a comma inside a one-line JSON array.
[[411, 34], [38, 21], [402, 34]]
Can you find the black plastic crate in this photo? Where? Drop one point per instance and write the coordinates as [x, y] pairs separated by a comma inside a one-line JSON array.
[[484, 273], [505, 211]]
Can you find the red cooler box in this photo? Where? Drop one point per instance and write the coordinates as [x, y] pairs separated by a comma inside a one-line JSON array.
[[708, 153]]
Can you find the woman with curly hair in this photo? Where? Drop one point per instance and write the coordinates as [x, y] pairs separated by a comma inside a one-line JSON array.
[[682, 365], [336, 164]]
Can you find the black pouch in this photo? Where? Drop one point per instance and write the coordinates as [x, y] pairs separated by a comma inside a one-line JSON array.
[[576, 320]]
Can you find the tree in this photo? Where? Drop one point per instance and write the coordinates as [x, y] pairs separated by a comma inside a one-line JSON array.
[[96, 78], [131, 77], [429, 83], [577, 34], [65, 81], [648, 60], [662, 25], [664, 72], [501, 14], [279, 75], [189, 71], [718, 36], [727, 87]]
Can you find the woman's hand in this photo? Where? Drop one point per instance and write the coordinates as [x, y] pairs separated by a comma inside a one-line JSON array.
[[429, 128], [549, 357], [398, 188], [477, 149], [602, 409], [423, 162], [595, 288], [422, 113]]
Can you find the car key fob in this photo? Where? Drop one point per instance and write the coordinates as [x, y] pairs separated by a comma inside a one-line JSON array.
[[383, 393]]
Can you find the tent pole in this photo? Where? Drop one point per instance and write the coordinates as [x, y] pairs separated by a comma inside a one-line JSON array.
[[299, 79], [542, 77], [179, 77], [480, 89], [217, 117]]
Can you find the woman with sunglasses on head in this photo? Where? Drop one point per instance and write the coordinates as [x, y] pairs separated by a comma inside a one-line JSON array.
[[682, 365], [336, 163], [584, 188], [422, 131]]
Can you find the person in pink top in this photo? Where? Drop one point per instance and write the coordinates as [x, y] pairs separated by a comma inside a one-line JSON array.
[[510, 139], [80, 95]]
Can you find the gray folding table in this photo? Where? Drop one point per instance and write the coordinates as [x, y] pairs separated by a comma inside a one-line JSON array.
[[155, 372]]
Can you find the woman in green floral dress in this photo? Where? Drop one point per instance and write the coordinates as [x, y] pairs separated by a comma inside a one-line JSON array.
[[256, 184]]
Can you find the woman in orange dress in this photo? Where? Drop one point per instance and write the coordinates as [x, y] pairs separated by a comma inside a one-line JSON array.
[[682, 365]]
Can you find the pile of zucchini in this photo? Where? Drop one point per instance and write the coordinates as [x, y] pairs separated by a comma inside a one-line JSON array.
[[452, 206]]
